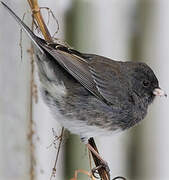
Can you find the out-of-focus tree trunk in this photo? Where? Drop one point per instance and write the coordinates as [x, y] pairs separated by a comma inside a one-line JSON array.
[[14, 99], [150, 150]]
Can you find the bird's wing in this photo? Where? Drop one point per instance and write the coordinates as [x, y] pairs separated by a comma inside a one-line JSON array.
[[98, 74], [77, 66], [109, 80]]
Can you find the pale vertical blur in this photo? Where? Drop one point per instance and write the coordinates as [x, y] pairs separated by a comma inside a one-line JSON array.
[[14, 100], [121, 30], [153, 145], [45, 150]]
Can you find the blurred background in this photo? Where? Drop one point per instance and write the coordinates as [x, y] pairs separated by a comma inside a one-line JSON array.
[[135, 30]]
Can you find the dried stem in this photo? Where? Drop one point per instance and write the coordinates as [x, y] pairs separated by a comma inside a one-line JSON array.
[[57, 155], [102, 172], [31, 131], [37, 15]]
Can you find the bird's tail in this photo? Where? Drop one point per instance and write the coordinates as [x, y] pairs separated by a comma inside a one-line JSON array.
[[28, 31]]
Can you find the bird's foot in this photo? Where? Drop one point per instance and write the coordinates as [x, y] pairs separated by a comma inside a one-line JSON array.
[[102, 165]]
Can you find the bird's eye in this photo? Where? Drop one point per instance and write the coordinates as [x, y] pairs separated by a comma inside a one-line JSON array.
[[146, 83]]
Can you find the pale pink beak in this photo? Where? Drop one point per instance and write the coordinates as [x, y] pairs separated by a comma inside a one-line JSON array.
[[159, 92]]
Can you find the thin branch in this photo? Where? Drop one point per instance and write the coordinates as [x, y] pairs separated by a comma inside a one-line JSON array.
[[37, 15], [57, 155], [31, 131], [104, 175], [31, 123]]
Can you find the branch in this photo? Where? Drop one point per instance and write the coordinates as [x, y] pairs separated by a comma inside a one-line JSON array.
[[102, 172], [57, 155], [39, 19]]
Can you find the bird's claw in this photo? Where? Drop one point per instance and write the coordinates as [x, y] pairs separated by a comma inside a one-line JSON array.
[[102, 165], [95, 171]]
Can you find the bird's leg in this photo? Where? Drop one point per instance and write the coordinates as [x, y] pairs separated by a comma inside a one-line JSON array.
[[96, 153], [103, 163], [100, 163]]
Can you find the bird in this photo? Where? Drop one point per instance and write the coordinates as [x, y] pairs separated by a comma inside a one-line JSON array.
[[88, 94]]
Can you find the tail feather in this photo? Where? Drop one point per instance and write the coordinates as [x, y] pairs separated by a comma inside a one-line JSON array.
[[28, 31]]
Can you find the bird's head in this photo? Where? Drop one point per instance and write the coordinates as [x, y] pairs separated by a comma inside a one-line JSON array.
[[144, 82]]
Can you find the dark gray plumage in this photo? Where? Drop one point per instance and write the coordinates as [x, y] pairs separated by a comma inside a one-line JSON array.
[[89, 94]]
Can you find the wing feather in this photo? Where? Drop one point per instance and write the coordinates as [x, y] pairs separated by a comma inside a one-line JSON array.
[[98, 74], [110, 85], [78, 67]]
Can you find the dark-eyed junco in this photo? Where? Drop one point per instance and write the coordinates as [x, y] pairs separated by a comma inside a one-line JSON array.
[[91, 95]]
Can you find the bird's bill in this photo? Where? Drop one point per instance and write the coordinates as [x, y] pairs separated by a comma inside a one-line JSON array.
[[159, 92]]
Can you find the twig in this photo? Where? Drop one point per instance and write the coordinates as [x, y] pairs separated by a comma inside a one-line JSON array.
[[31, 133], [55, 19], [37, 15], [102, 172], [57, 155]]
